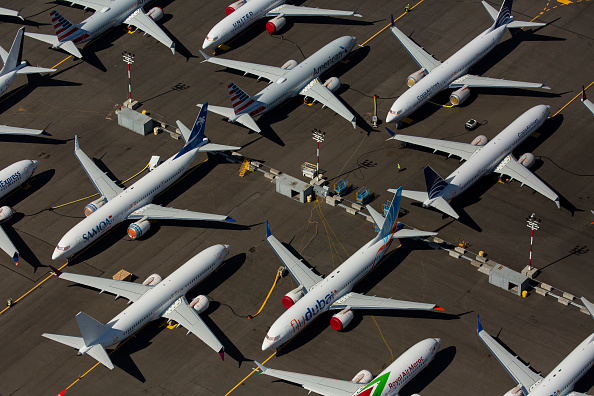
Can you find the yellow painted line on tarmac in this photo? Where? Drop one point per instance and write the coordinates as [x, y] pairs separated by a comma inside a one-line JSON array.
[[574, 98], [249, 375], [387, 26], [62, 61], [385, 342]]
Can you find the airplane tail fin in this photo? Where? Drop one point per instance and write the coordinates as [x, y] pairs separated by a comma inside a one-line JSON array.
[[390, 225], [435, 183], [196, 136], [14, 57], [63, 27], [504, 16], [239, 99], [90, 329]]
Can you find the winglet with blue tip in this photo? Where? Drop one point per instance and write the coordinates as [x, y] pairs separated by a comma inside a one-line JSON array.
[[479, 327], [230, 220], [16, 258], [267, 229], [392, 20], [392, 134]]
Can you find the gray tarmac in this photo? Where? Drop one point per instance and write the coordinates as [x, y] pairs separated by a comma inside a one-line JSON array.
[[81, 99]]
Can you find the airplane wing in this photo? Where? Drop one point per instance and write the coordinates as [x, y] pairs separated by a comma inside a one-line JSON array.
[[471, 81], [512, 168], [322, 94], [181, 312], [145, 23], [92, 4], [106, 187], [589, 105], [8, 130], [320, 385], [271, 73], [299, 271], [130, 290], [291, 10], [422, 57], [8, 247], [361, 301], [7, 12], [521, 373], [158, 212], [462, 150]]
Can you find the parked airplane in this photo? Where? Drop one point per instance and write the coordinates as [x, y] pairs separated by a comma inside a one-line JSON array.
[[560, 381], [289, 80], [435, 76], [482, 159], [153, 299], [11, 178], [587, 101], [108, 14], [7, 12], [315, 294], [14, 66], [117, 204], [388, 383], [253, 10]]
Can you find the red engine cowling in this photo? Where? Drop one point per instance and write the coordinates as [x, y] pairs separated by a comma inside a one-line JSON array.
[[290, 64], [480, 140], [93, 206], [362, 377], [5, 213], [527, 160], [292, 297], [138, 229], [200, 303], [152, 280], [275, 24], [459, 96], [517, 391], [231, 8], [156, 13], [341, 319], [333, 83], [416, 77]]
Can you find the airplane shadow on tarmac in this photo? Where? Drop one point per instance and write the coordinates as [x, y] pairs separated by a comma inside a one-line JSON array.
[[142, 339]]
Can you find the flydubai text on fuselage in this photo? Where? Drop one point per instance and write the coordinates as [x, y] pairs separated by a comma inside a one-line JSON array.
[[236, 22], [118, 208], [485, 160], [300, 76], [325, 293], [442, 76], [14, 175]]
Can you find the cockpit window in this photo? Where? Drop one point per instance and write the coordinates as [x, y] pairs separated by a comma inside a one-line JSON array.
[[62, 249], [272, 339]]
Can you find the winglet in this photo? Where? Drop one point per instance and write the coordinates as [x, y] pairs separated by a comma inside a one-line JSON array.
[[76, 146], [230, 220], [16, 258], [206, 57], [392, 134], [392, 20], [56, 271], [438, 308], [479, 327], [222, 354], [267, 229], [261, 367]]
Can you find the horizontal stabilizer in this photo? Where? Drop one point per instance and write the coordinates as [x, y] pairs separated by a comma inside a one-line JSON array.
[[440, 204], [33, 70], [229, 113], [208, 147], [377, 218], [520, 24], [407, 233], [248, 122], [74, 342], [185, 132], [99, 353], [90, 329], [589, 306], [69, 47], [46, 38], [492, 11], [419, 196]]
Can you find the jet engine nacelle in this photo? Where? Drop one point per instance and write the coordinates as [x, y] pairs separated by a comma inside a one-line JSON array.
[[93, 206], [342, 319], [292, 297], [362, 377], [527, 160], [200, 303], [156, 13], [289, 65], [459, 96], [416, 77], [231, 8], [152, 280], [138, 229], [275, 24], [517, 391], [5, 213], [480, 140], [333, 83]]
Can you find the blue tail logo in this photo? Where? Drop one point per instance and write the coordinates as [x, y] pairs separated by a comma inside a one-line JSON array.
[[504, 17], [391, 223], [435, 183], [197, 133]]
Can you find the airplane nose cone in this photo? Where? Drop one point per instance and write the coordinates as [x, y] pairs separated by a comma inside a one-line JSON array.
[[35, 163], [266, 345], [438, 341], [56, 255], [207, 44], [390, 118]]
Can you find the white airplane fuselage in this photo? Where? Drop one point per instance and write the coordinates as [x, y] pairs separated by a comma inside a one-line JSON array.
[[8, 77], [238, 21], [154, 303], [442, 76], [16, 174], [486, 159], [300, 76], [118, 208], [324, 293], [562, 379]]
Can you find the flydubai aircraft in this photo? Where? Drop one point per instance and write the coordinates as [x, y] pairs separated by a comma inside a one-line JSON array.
[[561, 379], [435, 76], [153, 299], [287, 81], [14, 66], [7, 12], [11, 178], [117, 204], [482, 159], [589, 105], [315, 294], [108, 14], [253, 10], [388, 383]]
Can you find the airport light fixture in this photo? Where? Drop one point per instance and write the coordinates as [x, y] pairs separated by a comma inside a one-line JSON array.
[[318, 136], [533, 224], [129, 59]]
